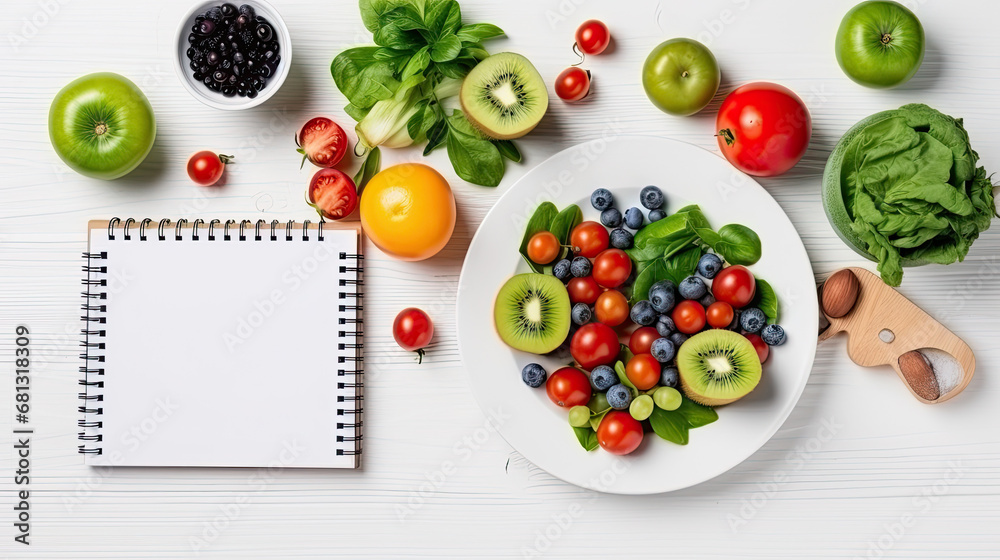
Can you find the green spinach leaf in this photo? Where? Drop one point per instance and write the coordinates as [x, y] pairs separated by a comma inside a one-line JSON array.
[[563, 224], [620, 370], [474, 158], [767, 300], [443, 18], [696, 415], [475, 32], [446, 48], [363, 79], [508, 150], [669, 425], [371, 166], [587, 438]]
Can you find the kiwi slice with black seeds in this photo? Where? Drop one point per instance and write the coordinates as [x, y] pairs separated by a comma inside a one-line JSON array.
[[504, 96], [718, 367], [532, 313]]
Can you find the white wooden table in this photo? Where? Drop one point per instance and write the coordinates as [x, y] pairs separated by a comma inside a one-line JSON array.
[[859, 470]]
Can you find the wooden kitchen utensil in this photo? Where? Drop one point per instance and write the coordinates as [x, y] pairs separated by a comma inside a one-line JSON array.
[[885, 328]]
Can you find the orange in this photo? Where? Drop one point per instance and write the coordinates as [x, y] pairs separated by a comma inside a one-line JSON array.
[[408, 211]]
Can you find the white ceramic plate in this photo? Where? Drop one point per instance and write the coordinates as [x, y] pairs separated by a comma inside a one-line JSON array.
[[538, 429]]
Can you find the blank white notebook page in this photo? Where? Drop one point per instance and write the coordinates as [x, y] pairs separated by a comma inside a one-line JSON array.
[[223, 352]]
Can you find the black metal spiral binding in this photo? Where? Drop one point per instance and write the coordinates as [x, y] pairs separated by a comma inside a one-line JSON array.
[[351, 351], [92, 342]]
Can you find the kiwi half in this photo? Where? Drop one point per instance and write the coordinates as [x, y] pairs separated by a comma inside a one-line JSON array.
[[718, 367], [532, 313], [504, 96]]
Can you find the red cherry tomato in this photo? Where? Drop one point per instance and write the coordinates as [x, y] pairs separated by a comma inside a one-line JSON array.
[[322, 142], [734, 285], [594, 344], [573, 84], [583, 290], [589, 239], [568, 387], [205, 168], [642, 339], [619, 433], [764, 128], [612, 268], [643, 371], [413, 330], [543, 247], [689, 316], [719, 315], [763, 350], [333, 194], [611, 308], [593, 36]]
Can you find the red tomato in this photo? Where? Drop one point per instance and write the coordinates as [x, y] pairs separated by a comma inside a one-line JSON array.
[[205, 168], [643, 371], [589, 239], [333, 194], [322, 142], [568, 387], [543, 247], [734, 285], [583, 290], [593, 36], [573, 84], [619, 433], [611, 308], [413, 330], [642, 340], [612, 268], [720, 314], [763, 350], [594, 344], [764, 128], [689, 316]]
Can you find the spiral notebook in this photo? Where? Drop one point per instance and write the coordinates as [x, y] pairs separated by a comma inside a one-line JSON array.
[[222, 344]]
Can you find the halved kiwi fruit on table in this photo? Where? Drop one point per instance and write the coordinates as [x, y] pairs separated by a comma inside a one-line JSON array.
[[718, 367], [504, 96], [532, 313]]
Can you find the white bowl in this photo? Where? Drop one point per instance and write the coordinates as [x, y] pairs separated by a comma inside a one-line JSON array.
[[214, 98]]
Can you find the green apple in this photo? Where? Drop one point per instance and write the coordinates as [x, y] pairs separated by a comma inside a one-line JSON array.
[[681, 76], [880, 44], [101, 125]]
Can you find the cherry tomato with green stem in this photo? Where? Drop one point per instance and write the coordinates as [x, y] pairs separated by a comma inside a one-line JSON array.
[[412, 329]]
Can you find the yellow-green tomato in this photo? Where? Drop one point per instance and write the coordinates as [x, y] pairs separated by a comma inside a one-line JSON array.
[[880, 44]]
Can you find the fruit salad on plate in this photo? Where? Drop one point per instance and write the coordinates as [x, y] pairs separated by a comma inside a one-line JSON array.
[[658, 317]]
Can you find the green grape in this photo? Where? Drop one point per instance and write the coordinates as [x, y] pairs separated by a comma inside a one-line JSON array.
[[667, 398], [579, 417], [599, 402], [641, 407]]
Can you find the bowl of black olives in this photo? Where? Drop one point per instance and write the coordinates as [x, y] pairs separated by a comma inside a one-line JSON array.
[[233, 55]]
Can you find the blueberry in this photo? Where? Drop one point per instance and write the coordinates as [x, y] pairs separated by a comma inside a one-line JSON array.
[[581, 313], [581, 267], [619, 397], [643, 313], [603, 377], [692, 287], [651, 197], [621, 239], [661, 295], [669, 376], [752, 320], [602, 199], [656, 215], [633, 218], [533, 375], [663, 350], [678, 339], [561, 270], [709, 265], [611, 218], [706, 300], [773, 335], [665, 325]]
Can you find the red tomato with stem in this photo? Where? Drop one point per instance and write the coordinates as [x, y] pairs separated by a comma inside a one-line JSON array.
[[719, 315], [589, 239], [643, 371], [333, 194], [642, 339], [592, 37], [543, 247], [619, 433], [611, 308], [205, 167], [689, 316], [413, 331], [573, 84], [734, 285], [763, 350], [568, 387], [594, 344], [612, 268], [322, 142], [583, 290], [763, 128]]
